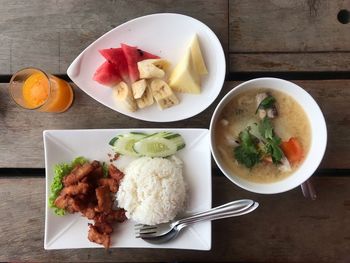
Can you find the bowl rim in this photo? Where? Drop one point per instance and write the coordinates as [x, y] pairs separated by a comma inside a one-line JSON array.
[[307, 169]]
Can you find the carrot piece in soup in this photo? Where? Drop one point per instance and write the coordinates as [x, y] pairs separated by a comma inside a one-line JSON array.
[[292, 150]]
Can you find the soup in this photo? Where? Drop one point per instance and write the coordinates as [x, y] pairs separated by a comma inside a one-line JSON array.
[[262, 135]]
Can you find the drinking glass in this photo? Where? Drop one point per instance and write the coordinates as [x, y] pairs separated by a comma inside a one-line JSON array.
[[34, 89]]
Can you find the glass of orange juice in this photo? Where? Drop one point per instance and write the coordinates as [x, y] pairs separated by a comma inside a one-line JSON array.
[[34, 89]]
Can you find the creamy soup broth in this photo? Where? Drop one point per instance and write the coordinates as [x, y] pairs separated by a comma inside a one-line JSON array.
[[240, 112]]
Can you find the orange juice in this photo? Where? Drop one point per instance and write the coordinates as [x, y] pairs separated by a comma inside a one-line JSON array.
[[33, 89], [61, 96]]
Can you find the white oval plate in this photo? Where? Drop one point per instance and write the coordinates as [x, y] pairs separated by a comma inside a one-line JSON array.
[[165, 35]]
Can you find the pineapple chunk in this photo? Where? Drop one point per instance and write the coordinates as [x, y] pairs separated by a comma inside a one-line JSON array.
[[185, 78], [197, 58]]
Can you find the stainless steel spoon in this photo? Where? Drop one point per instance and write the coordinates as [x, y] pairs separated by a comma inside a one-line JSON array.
[[164, 232]]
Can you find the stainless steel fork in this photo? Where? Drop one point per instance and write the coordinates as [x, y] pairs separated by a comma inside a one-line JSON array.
[[166, 231]]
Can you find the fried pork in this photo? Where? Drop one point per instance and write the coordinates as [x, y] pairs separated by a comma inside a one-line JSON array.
[[100, 238], [112, 184], [104, 199], [68, 203], [76, 189], [115, 173], [77, 174], [87, 191]]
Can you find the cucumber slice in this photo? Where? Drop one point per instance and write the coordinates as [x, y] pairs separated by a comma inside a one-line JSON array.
[[161, 144], [155, 147], [124, 144], [111, 142]]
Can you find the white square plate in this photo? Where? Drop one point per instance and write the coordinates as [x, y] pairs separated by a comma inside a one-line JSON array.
[[165, 35], [70, 231]]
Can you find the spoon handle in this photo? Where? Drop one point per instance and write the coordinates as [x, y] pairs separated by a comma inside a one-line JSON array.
[[308, 190], [235, 208]]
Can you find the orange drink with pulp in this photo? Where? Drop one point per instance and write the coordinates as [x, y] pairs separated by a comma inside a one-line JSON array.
[[34, 89]]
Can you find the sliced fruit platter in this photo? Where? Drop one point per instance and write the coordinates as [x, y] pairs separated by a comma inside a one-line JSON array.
[[138, 77], [146, 71]]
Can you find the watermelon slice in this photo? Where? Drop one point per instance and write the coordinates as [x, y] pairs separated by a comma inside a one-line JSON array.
[[134, 55], [107, 74], [117, 57]]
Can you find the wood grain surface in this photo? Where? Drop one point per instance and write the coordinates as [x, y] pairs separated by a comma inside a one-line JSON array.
[[283, 35], [286, 227], [49, 34], [290, 62], [21, 143], [270, 35], [259, 38]]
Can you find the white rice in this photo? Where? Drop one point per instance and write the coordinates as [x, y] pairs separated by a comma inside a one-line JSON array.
[[153, 190]]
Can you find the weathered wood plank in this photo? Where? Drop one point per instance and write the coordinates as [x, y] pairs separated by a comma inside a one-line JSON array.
[[21, 143], [283, 35], [333, 98], [286, 227], [289, 62], [50, 34], [287, 26]]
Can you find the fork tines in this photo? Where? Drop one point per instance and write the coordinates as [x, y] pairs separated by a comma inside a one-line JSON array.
[[141, 229]]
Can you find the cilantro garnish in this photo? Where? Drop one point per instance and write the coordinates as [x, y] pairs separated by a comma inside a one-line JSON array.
[[265, 128], [252, 150], [272, 141], [266, 103], [247, 153]]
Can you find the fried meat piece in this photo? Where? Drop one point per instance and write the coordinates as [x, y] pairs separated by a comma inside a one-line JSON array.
[[68, 203], [111, 217], [115, 173], [110, 182], [97, 173], [100, 238], [77, 174], [104, 199], [61, 202], [76, 189], [73, 205], [87, 191], [89, 212], [104, 228], [93, 177], [116, 215]]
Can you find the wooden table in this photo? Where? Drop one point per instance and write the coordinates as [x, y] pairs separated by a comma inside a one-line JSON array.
[[303, 41]]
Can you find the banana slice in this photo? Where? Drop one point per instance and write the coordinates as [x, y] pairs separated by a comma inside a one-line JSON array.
[[152, 68], [146, 99], [163, 94], [123, 94], [138, 88], [161, 63]]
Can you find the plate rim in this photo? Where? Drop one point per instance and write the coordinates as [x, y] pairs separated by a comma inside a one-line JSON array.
[[46, 133]]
